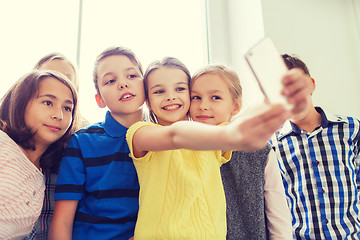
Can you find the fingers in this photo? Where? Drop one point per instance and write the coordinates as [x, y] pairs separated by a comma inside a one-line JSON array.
[[297, 89], [258, 128], [294, 82]]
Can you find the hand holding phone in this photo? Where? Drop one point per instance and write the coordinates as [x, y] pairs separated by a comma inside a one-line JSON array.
[[269, 68]]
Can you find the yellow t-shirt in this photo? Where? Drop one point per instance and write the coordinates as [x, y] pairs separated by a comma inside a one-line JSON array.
[[181, 193]]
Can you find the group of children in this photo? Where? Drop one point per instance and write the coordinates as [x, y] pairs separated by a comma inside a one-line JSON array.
[[171, 185]]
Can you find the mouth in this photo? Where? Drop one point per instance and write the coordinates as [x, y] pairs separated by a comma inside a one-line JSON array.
[[126, 97], [53, 128], [172, 107], [203, 117]]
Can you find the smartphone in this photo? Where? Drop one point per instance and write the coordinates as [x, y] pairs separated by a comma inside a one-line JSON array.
[[269, 68]]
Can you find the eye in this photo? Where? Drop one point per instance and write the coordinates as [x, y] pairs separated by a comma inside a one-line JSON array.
[[47, 103], [68, 109], [110, 81], [216, 98], [158, 92], [131, 76], [180, 89], [195, 98]]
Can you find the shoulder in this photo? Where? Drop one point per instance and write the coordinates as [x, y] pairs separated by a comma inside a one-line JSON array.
[[4, 137], [136, 126], [7, 144]]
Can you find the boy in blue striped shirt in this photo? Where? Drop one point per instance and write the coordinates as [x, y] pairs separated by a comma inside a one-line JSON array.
[[97, 188], [318, 154]]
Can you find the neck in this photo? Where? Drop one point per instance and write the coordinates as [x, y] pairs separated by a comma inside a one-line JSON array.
[[310, 122], [128, 119], [35, 155]]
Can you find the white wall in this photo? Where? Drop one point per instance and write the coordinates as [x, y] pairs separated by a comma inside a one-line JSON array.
[[234, 26], [325, 34]]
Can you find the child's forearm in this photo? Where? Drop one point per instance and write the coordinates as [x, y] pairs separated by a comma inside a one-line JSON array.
[[198, 136], [63, 219], [60, 231], [248, 133]]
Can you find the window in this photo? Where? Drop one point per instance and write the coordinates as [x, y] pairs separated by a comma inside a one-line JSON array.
[[152, 29]]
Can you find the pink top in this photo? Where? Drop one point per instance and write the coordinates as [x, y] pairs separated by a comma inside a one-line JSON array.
[[21, 191]]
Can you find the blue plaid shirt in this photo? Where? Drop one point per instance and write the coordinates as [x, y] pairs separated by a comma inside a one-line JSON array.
[[321, 177]]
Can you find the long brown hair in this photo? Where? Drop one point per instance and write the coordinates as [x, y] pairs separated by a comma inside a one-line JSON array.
[[12, 121]]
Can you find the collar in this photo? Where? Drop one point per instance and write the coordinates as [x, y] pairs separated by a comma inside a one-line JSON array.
[[326, 120], [112, 127]]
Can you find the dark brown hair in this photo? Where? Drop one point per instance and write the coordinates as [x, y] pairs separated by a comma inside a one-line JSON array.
[[12, 121], [294, 62]]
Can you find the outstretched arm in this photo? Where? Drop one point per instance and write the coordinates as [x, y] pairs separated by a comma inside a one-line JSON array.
[[247, 133]]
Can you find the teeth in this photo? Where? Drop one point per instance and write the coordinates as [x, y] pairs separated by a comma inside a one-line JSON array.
[[171, 107], [127, 96]]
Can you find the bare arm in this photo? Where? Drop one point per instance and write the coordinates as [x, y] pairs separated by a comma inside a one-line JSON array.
[[63, 219], [247, 133]]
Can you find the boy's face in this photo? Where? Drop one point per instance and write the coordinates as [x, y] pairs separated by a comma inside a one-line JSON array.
[[168, 95], [211, 100], [120, 85]]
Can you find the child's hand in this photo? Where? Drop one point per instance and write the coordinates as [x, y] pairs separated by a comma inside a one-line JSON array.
[[297, 89], [132, 238], [253, 129]]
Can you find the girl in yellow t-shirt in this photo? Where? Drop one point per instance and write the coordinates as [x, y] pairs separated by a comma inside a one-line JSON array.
[[181, 193]]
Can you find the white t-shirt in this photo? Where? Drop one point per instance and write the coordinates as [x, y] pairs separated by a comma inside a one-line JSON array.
[[21, 191]]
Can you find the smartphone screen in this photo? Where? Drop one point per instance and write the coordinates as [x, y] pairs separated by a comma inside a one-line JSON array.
[[269, 68]]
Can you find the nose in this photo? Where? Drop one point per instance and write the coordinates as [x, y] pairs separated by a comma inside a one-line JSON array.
[[57, 114], [123, 84], [170, 98], [204, 105]]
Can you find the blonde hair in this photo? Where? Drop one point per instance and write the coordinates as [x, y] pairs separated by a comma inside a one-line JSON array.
[[58, 56], [229, 76]]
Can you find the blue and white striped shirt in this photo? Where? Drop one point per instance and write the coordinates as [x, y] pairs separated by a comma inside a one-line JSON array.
[[321, 177]]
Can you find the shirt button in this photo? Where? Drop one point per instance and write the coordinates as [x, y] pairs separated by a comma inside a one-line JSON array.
[[317, 162], [34, 193], [326, 221], [27, 203], [323, 191]]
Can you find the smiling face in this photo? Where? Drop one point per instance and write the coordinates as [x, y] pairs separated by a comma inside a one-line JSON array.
[[120, 85], [211, 100], [49, 112], [168, 95]]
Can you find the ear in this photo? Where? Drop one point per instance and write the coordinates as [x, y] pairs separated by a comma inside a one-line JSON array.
[[313, 85], [237, 107], [99, 101]]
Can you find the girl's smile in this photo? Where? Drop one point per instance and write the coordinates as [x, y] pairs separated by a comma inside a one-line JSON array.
[[172, 107], [168, 95]]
